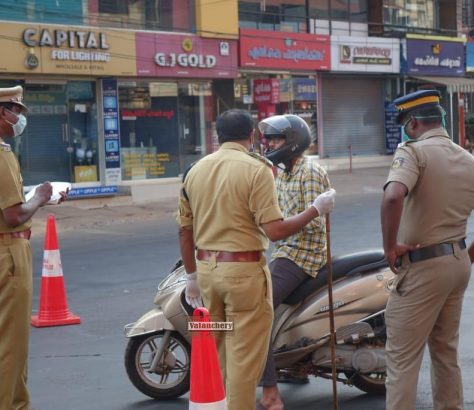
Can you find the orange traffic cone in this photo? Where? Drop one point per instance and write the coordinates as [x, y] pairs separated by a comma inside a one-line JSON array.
[[207, 388], [53, 310]]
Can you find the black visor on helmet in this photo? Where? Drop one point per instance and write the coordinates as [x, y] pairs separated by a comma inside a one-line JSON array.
[[274, 127]]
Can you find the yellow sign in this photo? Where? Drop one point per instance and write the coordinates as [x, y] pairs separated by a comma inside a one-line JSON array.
[[42, 49], [85, 173]]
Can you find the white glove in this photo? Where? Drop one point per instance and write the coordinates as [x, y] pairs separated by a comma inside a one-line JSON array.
[[324, 203], [192, 292]]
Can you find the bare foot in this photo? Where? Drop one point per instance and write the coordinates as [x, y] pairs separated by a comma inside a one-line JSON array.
[[271, 399]]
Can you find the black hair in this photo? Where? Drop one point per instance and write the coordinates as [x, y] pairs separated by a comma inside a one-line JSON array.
[[7, 105], [234, 125], [431, 115]]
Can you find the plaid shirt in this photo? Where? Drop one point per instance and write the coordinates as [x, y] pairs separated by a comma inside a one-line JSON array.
[[296, 192]]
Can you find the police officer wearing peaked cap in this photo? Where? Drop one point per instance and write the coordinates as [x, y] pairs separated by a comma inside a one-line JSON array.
[[15, 256], [228, 209], [428, 197]]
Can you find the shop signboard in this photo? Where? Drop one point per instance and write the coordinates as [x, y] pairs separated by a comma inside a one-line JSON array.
[[392, 129], [470, 57], [111, 131], [442, 56], [365, 54], [304, 89], [185, 55], [266, 91], [85, 192], [44, 49], [277, 50]]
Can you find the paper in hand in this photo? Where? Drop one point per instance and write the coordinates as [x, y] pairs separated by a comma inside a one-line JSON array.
[[56, 196]]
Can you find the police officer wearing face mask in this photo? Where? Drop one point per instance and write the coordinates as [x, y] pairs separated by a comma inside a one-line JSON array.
[[428, 197], [15, 255]]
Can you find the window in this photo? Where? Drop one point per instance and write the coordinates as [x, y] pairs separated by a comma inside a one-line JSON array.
[[276, 15], [318, 9], [143, 14], [409, 13], [340, 10], [270, 18], [293, 18], [467, 14], [358, 10], [113, 6], [249, 13]]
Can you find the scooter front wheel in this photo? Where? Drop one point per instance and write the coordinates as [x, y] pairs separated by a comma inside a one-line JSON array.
[[170, 378]]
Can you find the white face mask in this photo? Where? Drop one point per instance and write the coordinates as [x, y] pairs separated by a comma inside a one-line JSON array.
[[19, 126]]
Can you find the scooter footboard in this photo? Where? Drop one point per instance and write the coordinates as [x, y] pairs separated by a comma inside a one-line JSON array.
[[152, 321]]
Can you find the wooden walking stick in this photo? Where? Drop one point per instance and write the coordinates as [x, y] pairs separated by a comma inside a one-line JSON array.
[[331, 315]]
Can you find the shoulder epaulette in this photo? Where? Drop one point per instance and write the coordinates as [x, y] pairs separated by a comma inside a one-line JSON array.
[[261, 158], [406, 143], [5, 147]]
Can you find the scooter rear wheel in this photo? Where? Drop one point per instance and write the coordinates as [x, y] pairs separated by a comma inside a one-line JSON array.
[[373, 384], [171, 378]]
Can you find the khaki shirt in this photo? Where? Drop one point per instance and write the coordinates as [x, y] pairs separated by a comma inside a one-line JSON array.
[[439, 176], [11, 186], [230, 195]]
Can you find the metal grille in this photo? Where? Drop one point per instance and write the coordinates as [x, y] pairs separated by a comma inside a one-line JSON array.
[[353, 114]]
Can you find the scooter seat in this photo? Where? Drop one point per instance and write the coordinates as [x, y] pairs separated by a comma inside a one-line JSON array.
[[346, 265]]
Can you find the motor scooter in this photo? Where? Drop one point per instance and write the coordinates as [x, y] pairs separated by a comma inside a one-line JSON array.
[[158, 354]]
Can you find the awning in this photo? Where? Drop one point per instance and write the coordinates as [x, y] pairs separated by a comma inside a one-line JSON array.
[[453, 84]]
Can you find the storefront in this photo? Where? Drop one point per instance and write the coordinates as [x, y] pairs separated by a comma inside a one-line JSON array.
[[59, 68], [108, 107], [438, 63], [167, 114], [279, 74], [469, 97], [353, 95]]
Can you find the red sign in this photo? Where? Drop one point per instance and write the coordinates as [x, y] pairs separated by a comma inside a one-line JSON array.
[[295, 51], [180, 55], [266, 91]]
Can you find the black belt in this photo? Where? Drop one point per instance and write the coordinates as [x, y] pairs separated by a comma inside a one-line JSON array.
[[434, 251], [22, 234], [224, 256]]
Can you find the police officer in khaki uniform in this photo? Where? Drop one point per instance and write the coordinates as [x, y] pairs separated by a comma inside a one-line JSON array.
[[228, 208], [429, 195], [15, 256]]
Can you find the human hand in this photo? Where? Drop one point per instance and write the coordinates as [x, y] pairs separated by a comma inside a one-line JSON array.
[[64, 195], [471, 252], [43, 192], [395, 254], [324, 203], [192, 292]]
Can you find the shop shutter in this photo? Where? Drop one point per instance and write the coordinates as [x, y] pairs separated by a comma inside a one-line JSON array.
[[353, 114], [45, 155]]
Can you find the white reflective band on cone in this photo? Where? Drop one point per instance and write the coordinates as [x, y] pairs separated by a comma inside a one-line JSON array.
[[52, 264], [217, 405]]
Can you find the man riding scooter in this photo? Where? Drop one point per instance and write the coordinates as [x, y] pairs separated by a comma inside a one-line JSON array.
[[293, 258]]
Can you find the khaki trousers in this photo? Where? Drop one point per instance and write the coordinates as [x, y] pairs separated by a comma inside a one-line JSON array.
[[240, 292], [15, 311], [425, 307]]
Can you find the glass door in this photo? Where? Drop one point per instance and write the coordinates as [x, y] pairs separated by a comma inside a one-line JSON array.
[[82, 131], [194, 126]]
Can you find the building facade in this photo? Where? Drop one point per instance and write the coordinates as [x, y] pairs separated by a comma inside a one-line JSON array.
[[118, 91], [123, 92]]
